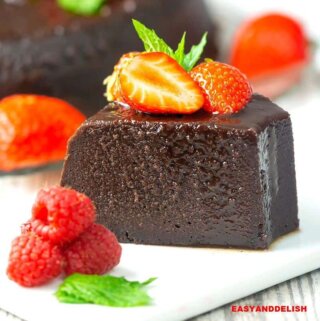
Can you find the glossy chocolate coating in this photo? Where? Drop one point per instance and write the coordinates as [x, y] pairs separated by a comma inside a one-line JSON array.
[[197, 179], [46, 50]]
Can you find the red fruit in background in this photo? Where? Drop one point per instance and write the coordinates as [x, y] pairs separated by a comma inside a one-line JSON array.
[[60, 214], [270, 48], [225, 88], [33, 261], [34, 130], [153, 82], [96, 251]]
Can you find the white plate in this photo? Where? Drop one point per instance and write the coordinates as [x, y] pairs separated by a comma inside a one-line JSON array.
[[190, 281]]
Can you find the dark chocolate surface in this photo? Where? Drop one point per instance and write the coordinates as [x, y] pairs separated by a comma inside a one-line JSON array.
[[188, 180], [38, 18], [257, 115], [46, 50]]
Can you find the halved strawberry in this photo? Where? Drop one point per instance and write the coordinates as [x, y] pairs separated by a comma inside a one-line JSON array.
[[112, 82], [154, 82]]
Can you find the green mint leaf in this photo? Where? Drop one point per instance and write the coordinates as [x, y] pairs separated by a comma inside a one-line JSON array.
[[147, 282], [151, 41], [179, 53], [195, 53], [104, 290], [81, 7]]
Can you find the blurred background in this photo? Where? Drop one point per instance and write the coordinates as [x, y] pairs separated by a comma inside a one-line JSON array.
[[278, 41]]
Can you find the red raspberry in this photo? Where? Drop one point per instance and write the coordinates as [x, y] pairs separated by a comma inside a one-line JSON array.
[[96, 251], [33, 261], [61, 215], [26, 227]]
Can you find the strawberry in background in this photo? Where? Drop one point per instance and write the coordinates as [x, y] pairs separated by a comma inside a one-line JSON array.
[[272, 50], [34, 130]]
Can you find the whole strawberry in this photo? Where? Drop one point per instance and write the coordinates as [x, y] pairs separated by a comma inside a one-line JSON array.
[[34, 130], [225, 88], [60, 214], [33, 261], [96, 251], [267, 44]]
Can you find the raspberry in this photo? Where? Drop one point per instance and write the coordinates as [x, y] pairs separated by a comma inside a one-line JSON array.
[[33, 261], [96, 251], [26, 227], [61, 214]]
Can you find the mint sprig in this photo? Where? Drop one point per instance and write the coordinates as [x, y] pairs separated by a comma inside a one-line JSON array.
[[81, 7], [192, 57], [152, 42], [179, 53], [104, 290]]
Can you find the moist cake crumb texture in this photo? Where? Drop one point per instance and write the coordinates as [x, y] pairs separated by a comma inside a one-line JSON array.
[[197, 179]]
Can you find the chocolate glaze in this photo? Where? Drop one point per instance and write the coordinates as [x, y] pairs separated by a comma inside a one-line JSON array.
[[48, 51], [197, 179], [255, 116]]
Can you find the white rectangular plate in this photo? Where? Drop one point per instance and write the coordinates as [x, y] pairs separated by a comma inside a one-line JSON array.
[[190, 280]]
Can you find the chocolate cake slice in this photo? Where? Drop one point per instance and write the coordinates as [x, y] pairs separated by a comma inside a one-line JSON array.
[[197, 179], [45, 50]]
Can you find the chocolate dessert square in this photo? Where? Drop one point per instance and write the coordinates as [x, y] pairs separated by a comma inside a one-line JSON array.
[[199, 179], [45, 50]]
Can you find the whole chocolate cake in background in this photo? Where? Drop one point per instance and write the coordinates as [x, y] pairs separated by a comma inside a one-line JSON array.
[[45, 50]]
